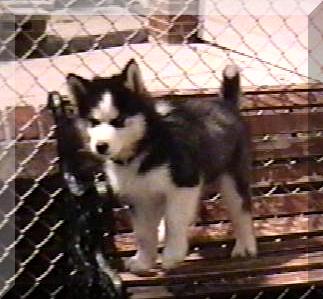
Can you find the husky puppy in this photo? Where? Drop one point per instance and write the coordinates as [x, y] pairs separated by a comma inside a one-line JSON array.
[[160, 156]]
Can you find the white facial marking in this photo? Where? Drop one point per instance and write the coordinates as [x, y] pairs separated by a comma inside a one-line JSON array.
[[100, 133], [121, 141], [105, 110]]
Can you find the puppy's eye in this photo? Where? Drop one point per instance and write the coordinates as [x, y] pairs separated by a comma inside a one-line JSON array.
[[94, 122], [118, 122]]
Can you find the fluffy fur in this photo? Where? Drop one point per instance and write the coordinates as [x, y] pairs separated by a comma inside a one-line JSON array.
[[159, 157]]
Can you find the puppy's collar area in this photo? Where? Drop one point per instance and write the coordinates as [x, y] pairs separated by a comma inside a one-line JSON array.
[[142, 146], [121, 162]]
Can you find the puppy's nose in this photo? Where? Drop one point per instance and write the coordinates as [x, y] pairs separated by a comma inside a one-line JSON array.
[[102, 148]]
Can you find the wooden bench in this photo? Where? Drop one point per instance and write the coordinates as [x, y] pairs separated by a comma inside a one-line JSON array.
[[287, 208], [287, 128]]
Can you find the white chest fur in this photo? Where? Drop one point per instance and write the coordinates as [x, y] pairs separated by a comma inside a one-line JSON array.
[[127, 182]]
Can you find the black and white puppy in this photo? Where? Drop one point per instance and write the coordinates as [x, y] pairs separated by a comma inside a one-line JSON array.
[[160, 156]]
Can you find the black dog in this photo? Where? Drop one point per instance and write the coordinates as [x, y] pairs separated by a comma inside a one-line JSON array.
[[86, 203]]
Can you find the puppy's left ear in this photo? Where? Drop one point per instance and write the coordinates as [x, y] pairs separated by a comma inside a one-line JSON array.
[[79, 89], [132, 78]]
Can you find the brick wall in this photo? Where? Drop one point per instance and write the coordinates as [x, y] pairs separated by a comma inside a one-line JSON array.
[[166, 26], [21, 42], [29, 127]]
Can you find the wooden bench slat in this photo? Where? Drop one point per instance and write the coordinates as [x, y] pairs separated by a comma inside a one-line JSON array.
[[287, 147], [283, 148], [287, 259], [218, 258], [267, 206], [275, 227], [289, 174], [282, 100], [300, 244], [278, 98], [277, 123], [263, 206], [235, 284], [269, 227], [283, 173], [217, 269], [207, 268], [285, 123]]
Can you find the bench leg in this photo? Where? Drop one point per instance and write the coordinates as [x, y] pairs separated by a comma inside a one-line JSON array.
[[181, 209], [145, 219], [235, 195]]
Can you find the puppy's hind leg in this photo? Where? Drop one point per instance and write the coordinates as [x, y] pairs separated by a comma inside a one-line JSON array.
[[235, 193], [145, 218]]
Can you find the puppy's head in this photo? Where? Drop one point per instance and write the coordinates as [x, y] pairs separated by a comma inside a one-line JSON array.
[[112, 110]]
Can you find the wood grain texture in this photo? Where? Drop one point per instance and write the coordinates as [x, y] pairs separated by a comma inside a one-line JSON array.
[[199, 290], [262, 207], [270, 228], [288, 262]]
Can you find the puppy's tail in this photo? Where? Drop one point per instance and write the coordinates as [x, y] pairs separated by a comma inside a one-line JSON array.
[[230, 88]]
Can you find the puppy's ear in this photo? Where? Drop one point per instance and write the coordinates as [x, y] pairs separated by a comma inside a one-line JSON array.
[[132, 77], [78, 88], [77, 85]]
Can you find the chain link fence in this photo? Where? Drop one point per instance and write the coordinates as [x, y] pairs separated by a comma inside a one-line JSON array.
[[181, 46]]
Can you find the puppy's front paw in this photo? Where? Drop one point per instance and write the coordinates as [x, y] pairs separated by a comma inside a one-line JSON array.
[[244, 248], [172, 258], [138, 266]]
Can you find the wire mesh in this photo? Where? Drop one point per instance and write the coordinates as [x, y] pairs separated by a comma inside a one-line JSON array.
[[274, 46]]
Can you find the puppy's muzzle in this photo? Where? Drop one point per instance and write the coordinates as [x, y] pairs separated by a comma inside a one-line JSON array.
[[102, 148]]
